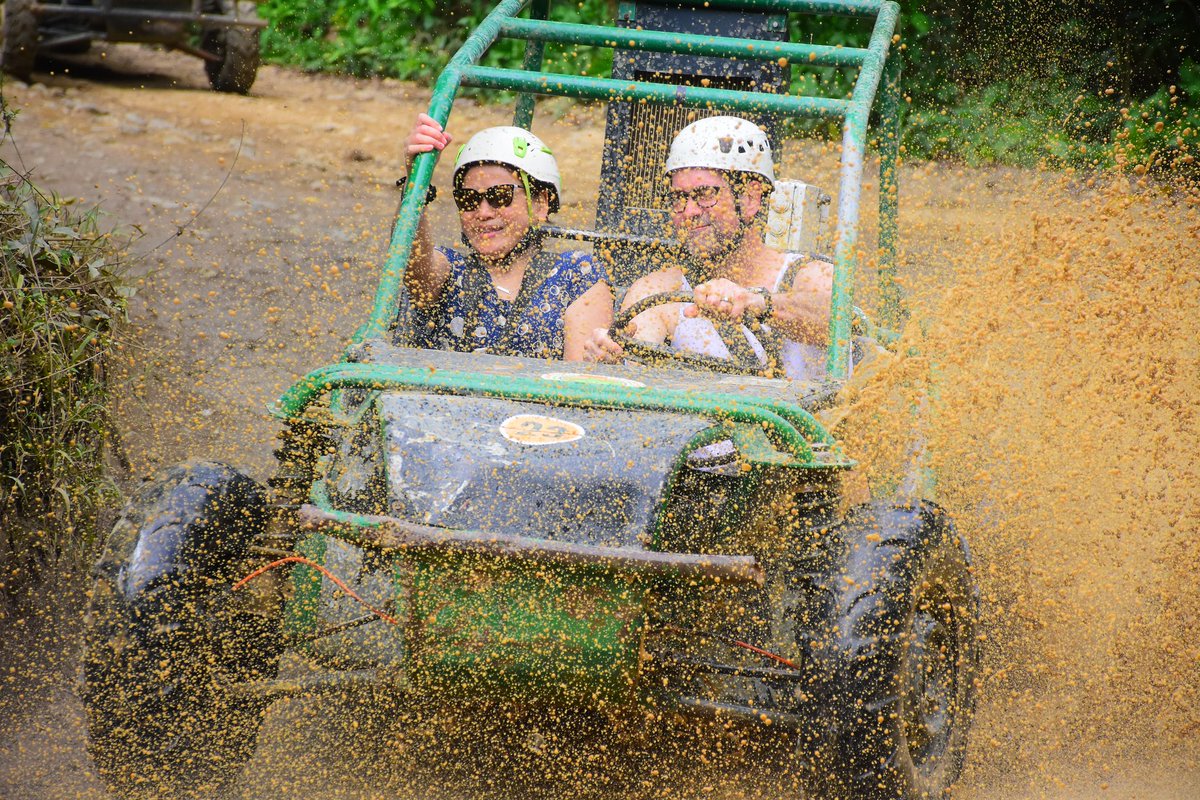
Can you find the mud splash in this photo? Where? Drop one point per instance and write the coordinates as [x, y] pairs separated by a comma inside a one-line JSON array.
[[1052, 365]]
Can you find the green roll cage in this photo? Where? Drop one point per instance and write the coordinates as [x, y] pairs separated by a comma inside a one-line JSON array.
[[874, 69]]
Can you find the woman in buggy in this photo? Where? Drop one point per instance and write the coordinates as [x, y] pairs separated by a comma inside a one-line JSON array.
[[501, 293]]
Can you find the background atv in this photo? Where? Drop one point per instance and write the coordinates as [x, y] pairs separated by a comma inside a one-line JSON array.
[[640, 542], [224, 33]]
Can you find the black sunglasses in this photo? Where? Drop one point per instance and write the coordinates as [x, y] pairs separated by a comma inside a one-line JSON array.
[[705, 197], [498, 196]]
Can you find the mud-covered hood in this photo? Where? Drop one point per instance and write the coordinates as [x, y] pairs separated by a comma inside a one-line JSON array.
[[584, 475]]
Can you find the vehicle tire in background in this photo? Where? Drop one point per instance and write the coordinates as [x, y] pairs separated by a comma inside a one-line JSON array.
[[903, 657], [164, 642], [236, 48], [20, 31]]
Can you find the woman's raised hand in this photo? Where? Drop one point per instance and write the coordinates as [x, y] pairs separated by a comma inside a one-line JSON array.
[[426, 135]]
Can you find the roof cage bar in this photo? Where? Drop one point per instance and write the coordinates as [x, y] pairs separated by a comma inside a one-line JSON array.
[[584, 235], [844, 8], [664, 93], [93, 12], [535, 51], [684, 43]]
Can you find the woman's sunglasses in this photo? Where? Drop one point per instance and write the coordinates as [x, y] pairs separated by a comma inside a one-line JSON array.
[[498, 196]]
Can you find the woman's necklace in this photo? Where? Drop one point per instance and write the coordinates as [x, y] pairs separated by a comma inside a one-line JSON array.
[[505, 273]]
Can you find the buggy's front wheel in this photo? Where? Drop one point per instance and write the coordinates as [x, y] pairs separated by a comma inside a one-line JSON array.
[[903, 656], [165, 644], [237, 49]]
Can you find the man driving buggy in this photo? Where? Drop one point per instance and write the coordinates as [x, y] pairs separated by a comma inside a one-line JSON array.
[[502, 293], [721, 175]]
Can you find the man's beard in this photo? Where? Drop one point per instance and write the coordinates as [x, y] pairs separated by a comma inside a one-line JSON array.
[[701, 267]]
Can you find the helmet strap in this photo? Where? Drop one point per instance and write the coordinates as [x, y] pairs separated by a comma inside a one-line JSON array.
[[744, 225], [528, 195], [533, 236], [703, 268]]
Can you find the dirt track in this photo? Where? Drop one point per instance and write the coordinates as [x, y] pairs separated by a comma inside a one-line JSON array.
[[264, 221]]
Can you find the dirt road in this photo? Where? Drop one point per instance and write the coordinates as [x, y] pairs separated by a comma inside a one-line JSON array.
[[264, 221]]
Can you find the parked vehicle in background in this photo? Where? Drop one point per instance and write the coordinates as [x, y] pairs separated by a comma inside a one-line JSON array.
[[223, 33]]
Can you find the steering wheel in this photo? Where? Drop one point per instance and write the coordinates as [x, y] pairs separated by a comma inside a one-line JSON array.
[[743, 360]]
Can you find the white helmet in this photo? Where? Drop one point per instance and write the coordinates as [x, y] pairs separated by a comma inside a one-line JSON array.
[[513, 147], [728, 144]]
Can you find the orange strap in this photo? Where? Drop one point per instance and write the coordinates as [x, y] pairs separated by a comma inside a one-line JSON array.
[[338, 581]]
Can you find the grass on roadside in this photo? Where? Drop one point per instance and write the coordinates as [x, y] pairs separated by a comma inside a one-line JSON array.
[[62, 301]]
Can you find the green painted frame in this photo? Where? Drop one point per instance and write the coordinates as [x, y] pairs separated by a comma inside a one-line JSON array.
[[876, 72], [790, 427]]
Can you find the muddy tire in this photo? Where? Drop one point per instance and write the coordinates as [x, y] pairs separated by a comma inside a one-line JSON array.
[[20, 31], [903, 657], [236, 48], [164, 642]]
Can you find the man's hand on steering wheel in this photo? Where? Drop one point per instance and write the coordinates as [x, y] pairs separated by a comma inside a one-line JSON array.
[[742, 360], [721, 298]]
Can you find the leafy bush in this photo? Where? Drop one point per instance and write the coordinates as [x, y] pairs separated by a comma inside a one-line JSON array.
[[1161, 134], [63, 299], [1021, 124], [406, 39], [1050, 123], [987, 81]]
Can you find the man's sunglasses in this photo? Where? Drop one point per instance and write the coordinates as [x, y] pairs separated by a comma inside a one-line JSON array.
[[705, 197], [498, 196]]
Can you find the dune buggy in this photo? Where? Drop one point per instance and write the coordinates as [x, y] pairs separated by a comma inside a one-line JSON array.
[[645, 541], [223, 33]]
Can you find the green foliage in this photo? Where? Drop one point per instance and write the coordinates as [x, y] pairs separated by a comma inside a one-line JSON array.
[[1161, 134], [1022, 82], [63, 299], [1023, 124], [1050, 123], [407, 39]]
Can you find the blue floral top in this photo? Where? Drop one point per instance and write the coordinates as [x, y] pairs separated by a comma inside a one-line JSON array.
[[471, 316]]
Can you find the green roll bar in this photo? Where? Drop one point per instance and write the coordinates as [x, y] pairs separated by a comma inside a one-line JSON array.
[[792, 427], [660, 93], [874, 69], [668, 42]]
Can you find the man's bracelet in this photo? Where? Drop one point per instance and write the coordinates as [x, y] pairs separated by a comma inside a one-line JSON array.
[[430, 194], [768, 306]]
